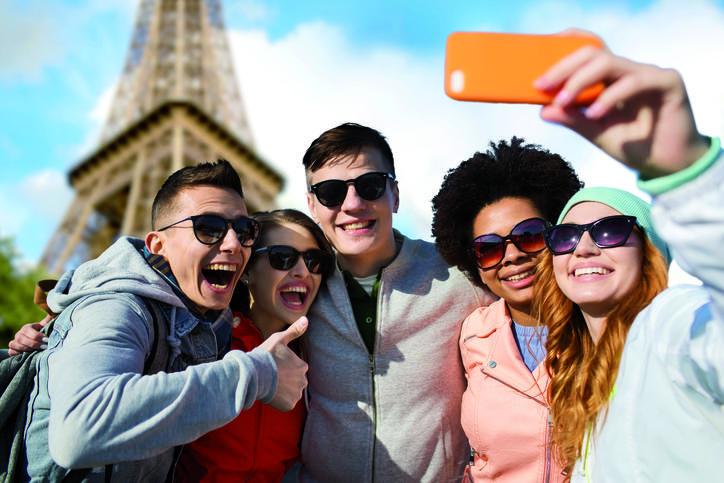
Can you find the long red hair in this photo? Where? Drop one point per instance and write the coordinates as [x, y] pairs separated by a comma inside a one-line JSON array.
[[582, 372]]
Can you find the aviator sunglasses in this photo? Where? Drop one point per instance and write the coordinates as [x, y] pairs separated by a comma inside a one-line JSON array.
[[607, 232], [211, 229], [488, 250], [283, 258], [369, 186]]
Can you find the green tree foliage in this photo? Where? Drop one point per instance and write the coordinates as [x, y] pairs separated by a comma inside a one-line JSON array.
[[17, 287]]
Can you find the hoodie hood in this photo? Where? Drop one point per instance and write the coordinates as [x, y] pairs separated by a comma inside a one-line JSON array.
[[121, 268]]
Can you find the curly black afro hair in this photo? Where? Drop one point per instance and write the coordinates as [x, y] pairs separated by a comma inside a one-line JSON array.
[[506, 170]]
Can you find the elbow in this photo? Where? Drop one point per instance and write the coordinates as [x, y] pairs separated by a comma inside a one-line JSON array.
[[69, 445]]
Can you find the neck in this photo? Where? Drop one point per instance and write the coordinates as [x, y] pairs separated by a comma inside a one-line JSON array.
[[596, 324], [521, 315], [262, 320], [367, 264]]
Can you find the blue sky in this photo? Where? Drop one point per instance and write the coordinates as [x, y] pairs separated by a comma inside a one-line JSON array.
[[306, 66]]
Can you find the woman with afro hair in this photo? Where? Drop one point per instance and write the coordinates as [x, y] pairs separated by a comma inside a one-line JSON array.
[[488, 220]]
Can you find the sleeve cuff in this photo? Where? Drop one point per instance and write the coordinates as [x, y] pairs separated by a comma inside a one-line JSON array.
[[656, 186]]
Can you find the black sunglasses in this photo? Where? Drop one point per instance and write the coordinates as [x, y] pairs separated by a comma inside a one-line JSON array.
[[607, 232], [211, 229], [488, 250], [283, 257], [369, 186]]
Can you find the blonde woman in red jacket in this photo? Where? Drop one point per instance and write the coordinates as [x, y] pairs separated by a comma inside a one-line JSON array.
[[277, 287], [489, 218]]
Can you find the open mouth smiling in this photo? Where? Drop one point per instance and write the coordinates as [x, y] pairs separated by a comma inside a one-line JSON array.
[[219, 275], [294, 295]]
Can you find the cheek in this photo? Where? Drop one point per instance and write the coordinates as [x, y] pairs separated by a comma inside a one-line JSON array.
[[560, 268]]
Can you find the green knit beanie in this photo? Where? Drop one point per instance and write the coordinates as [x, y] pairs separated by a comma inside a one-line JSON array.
[[626, 204]]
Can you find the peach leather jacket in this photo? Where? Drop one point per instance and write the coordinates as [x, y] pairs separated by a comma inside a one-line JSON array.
[[505, 413]]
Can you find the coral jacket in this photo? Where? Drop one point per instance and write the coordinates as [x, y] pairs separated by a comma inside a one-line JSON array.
[[260, 445], [505, 413]]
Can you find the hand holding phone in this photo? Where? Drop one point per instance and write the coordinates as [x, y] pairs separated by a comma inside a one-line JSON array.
[[500, 67]]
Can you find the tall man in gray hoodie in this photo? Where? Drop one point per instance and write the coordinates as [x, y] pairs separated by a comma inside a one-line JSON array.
[[385, 376], [92, 404]]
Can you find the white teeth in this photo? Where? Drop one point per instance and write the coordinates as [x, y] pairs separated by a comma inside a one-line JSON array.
[[356, 226], [227, 267], [580, 272], [296, 288], [220, 287], [520, 276]]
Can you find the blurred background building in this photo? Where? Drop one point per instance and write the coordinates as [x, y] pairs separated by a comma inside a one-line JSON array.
[[177, 103]]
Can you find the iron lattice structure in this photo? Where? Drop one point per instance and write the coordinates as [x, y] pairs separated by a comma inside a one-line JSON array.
[[177, 103]]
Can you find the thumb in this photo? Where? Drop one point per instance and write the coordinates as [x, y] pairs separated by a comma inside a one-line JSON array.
[[295, 330]]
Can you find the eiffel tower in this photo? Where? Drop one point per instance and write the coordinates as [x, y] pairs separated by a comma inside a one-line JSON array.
[[177, 103]]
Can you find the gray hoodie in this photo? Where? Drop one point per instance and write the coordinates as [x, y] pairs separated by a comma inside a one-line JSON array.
[[104, 410]]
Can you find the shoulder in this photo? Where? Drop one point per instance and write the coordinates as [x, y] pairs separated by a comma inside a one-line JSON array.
[[671, 316], [488, 318]]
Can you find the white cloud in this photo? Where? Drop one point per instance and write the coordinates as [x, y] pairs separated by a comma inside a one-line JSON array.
[[314, 78], [39, 46], [32, 208], [97, 118]]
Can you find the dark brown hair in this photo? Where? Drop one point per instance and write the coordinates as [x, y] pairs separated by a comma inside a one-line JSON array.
[[220, 174], [346, 139]]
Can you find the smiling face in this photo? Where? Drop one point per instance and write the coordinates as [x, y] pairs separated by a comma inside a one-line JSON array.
[[512, 278], [360, 230], [281, 297], [207, 274], [597, 279]]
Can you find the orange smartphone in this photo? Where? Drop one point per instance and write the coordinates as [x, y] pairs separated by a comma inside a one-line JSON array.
[[500, 67]]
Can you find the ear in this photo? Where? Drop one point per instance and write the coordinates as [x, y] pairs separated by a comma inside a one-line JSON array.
[[312, 207], [396, 195], [155, 243]]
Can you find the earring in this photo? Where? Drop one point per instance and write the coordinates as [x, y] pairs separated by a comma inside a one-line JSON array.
[[245, 281]]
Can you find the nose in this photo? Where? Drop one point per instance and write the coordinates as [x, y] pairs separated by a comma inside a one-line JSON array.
[[230, 242], [512, 253], [299, 270], [586, 246], [352, 201]]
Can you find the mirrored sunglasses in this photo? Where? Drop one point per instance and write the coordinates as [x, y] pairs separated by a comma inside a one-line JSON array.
[[607, 232], [488, 250], [369, 186]]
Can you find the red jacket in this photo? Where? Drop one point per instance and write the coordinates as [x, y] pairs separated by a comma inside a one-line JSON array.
[[260, 445]]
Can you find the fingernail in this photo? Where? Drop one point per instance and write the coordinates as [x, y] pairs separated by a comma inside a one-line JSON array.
[[593, 111], [562, 98], [541, 83], [44, 346], [45, 339]]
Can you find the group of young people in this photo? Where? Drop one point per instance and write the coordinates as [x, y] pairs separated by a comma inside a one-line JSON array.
[[535, 340]]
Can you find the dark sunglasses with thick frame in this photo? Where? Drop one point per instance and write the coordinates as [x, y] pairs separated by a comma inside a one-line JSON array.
[[283, 258], [211, 229], [607, 232], [369, 186], [489, 250]]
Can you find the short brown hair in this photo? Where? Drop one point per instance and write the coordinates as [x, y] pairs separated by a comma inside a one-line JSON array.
[[220, 174], [346, 139]]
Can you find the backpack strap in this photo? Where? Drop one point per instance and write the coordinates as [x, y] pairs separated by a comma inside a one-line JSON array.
[[157, 360]]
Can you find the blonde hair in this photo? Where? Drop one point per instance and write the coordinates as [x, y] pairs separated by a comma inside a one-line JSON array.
[[582, 372]]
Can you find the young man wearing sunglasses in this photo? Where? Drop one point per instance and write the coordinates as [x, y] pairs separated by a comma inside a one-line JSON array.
[[96, 401], [385, 377]]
